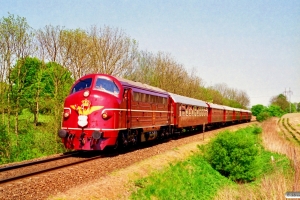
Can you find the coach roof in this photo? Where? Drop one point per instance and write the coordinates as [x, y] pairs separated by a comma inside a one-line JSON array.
[[217, 106], [138, 85]]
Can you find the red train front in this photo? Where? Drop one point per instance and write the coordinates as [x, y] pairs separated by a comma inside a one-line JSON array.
[[90, 113]]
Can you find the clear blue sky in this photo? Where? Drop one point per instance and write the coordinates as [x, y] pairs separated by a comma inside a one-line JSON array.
[[251, 45]]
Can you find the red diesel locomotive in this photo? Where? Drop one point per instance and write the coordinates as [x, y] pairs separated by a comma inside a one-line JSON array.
[[106, 111]]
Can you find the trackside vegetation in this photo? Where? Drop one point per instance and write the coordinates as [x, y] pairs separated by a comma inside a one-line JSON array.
[[279, 105], [238, 158], [31, 142]]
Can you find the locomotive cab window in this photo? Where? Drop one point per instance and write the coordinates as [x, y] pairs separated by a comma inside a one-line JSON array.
[[106, 86], [82, 84]]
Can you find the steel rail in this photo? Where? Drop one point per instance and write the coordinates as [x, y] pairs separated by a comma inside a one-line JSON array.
[[47, 170], [11, 167]]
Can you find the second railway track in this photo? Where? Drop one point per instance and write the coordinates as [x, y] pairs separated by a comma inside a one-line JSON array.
[[27, 169]]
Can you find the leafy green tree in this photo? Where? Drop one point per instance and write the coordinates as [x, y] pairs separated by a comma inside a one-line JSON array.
[[28, 87], [275, 111], [257, 109]]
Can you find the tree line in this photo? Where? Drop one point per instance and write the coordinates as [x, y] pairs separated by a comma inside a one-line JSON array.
[[33, 61], [279, 105]]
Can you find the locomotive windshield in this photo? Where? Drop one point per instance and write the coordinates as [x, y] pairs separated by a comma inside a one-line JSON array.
[[107, 85], [82, 84]]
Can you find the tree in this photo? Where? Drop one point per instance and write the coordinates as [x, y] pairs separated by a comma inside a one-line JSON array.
[[16, 44], [112, 52], [29, 90], [232, 97], [57, 82], [281, 101], [76, 48], [48, 40], [275, 111], [257, 109]]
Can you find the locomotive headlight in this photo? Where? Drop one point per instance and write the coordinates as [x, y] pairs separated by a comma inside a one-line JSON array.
[[66, 115], [107, 114], [104, 115], [86, 93], [67, 112]]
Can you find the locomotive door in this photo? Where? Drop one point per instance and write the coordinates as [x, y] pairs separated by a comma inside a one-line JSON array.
[[128, 108]]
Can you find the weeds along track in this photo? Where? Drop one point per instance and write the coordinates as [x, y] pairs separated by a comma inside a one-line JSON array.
[[289, 132], [28, 169]]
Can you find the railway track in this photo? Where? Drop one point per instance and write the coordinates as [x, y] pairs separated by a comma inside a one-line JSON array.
[[24, 170]]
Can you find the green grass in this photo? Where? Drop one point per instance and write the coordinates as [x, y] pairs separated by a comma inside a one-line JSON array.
[[194, 178]]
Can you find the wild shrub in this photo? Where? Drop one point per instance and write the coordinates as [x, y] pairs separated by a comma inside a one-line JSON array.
[[4, 145], [192, 178], [263, 116], [235, 154]]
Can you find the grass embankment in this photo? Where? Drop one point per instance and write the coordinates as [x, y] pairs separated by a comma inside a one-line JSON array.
[[195, 178]]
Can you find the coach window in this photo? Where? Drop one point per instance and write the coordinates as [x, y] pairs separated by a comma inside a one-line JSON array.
[[159, 100], [164, 100], [182, 109], [82, 84], [107, 86], [136, 96]]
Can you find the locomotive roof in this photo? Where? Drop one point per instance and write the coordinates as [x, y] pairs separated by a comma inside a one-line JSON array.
[[140, 85], [187, 100]]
